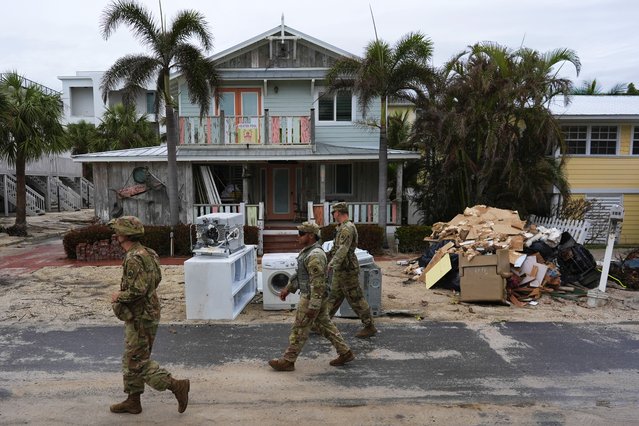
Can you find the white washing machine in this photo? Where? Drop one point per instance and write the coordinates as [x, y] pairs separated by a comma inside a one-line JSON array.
[[277, 268]]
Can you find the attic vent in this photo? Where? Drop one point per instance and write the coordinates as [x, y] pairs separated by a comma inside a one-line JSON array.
[[282, 49]]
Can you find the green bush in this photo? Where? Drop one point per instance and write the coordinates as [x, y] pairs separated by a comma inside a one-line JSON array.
[[89, 234], [411, 238], [156, 237], [370, 237]]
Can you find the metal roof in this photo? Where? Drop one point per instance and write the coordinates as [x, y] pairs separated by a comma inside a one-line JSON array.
[[243, 153], [589, 107]]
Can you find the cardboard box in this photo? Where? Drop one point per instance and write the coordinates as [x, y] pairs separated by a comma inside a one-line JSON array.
[[480, 279]]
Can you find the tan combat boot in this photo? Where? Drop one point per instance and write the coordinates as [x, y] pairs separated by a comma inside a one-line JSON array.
[[343, 359], [282, 364], [367, 331], [180, 389], [131, 405]]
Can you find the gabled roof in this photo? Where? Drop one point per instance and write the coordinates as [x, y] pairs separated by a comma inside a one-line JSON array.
[[597, 107], [274, 32], [238, 154]]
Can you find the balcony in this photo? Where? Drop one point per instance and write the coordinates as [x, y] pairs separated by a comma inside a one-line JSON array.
[[253, 130]]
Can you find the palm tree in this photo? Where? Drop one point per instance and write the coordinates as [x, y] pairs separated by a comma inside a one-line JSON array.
[[122, 129], [171, 51], [81, 138], [487, 130], [29, 128], [384, 71]]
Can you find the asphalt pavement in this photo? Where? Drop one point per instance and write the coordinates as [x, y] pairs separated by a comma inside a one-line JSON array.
[[561, 364]]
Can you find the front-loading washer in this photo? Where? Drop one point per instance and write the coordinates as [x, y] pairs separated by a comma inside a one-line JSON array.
[[277, 269]]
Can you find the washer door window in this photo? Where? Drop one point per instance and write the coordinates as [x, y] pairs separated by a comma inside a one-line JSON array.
[[278, 281]]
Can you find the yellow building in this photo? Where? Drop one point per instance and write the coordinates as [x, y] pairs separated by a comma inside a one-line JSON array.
[[602, 163]]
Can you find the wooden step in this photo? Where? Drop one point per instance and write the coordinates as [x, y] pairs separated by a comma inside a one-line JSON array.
[[281, 243]]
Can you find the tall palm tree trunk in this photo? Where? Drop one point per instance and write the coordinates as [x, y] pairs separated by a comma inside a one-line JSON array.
[[21, 193], [172, 181], [383, 171]]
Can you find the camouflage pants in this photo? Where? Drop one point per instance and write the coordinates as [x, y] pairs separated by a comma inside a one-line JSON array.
[[137, 366], [302, 326], [345, 285]]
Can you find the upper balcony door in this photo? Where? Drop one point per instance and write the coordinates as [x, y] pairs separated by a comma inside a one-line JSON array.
[[243, 108]]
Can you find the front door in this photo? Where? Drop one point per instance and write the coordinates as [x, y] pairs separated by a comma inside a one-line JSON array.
[[281, 191]]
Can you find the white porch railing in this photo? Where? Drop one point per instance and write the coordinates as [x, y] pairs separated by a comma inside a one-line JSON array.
[[578, 229], [253, 216], [36, 204], [359, 212]]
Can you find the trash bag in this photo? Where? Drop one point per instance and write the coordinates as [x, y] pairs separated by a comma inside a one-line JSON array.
[[576, 263], [451, 279], [548, 253]]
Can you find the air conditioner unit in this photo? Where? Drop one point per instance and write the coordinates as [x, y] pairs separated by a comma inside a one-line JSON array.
[[219, 234]]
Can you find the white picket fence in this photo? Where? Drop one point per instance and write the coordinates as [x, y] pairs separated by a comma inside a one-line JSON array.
[[578, 229]]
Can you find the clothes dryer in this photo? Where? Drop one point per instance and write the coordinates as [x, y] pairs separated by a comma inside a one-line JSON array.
[[277, 268]]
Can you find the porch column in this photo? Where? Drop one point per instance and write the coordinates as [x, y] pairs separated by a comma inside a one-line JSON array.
[[322, 182], [246, 182], [399, 190]]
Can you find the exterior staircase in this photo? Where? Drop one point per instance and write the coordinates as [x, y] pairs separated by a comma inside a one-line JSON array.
[[81, 186], [280, 239], [36, 204], [59, 196]]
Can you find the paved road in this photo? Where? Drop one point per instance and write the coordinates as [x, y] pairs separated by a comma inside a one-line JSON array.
[[565, 366]]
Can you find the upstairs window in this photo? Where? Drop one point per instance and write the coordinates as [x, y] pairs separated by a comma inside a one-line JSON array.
[[576, 139], [603, 140], [591, 140], [635, 141], [336, 107], [150, 102]]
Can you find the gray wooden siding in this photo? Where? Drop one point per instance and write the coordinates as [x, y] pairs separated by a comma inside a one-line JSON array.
[[293, 98], [259, 56], [345, 135], [152, 207]]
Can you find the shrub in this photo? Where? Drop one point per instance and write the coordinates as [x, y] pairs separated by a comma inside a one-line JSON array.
[[88, 234], [411, 238], [156, 237]]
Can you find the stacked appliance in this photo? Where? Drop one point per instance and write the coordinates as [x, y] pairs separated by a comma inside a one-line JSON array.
[[221, 279], [277, 268], [219, 234]]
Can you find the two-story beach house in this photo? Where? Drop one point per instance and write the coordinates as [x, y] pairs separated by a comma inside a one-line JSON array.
[[602, 162], [277, 146]]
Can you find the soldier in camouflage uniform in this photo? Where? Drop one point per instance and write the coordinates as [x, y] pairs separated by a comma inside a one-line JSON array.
[[310, 279], [138, 306], [345, 271]]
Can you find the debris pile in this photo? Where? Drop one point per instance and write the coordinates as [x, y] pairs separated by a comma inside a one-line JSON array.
[[490, 255]]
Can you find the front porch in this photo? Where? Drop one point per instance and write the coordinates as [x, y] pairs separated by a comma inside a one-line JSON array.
[[254, 215]]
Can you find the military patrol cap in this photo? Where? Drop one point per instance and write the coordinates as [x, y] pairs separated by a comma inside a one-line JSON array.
[[127, 225], [340, 207], [309, 228]]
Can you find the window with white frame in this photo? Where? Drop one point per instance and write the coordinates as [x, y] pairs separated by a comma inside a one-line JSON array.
[[339, 179], [335, 107], [576, 139], [635, 141], [591, 140]]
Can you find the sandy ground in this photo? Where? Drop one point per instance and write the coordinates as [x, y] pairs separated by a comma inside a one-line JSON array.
[[67, 297], [70, 295]]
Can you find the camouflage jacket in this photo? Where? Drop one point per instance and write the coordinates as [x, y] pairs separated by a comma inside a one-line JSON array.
[[312, 280], [140, 277], [342, 255]]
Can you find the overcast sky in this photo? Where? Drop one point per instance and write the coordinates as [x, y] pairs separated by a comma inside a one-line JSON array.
[[43, 39]]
